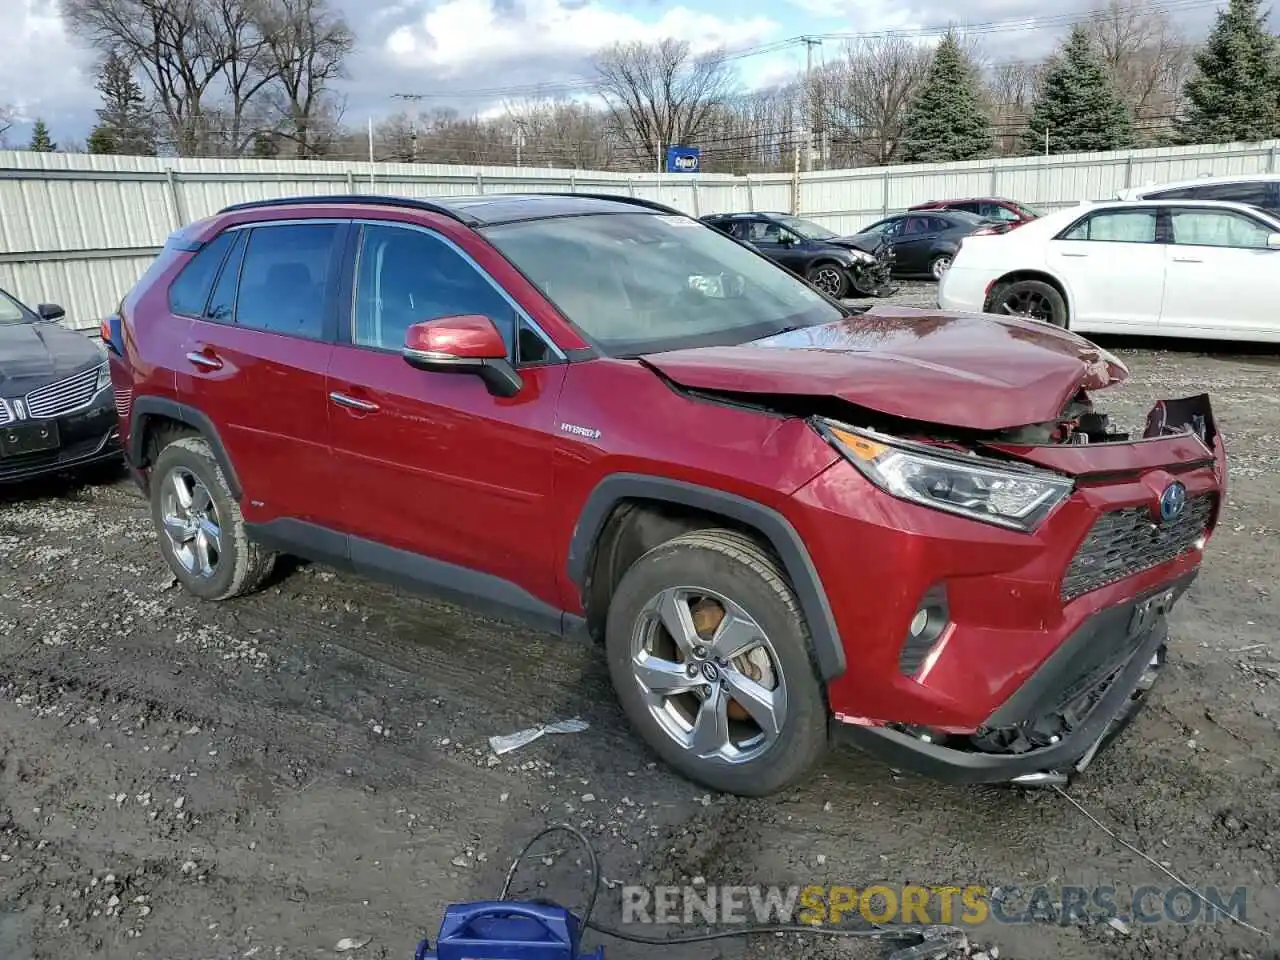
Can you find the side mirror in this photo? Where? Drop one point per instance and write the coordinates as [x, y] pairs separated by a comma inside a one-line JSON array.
[[469, 343], [50, 312], [1273, 241]]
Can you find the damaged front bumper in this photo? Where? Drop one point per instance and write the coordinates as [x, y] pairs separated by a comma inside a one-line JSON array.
[[1054, 725]]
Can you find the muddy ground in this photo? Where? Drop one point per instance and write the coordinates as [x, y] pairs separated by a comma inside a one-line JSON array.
[[273, 776]]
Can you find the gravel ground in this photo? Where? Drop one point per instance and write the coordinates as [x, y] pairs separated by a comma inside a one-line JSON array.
[[305, 772]]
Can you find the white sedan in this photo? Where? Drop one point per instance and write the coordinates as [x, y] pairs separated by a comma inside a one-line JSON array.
[[1177, 268]]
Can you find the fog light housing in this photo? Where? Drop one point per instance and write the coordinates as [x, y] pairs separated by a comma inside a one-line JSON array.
[[925, 628]]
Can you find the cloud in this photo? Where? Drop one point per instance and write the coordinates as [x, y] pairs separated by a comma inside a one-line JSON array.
[[458, 35], [43, 72]]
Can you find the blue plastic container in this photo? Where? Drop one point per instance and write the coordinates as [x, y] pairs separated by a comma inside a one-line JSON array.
[[503, 930]]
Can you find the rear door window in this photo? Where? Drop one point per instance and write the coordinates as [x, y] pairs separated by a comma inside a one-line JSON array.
[[1115, 226], [286, 276], [189, 291]]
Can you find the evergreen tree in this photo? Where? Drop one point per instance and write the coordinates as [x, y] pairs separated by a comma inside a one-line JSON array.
[[1232, 95], [1078, 103], [102, 140], [124, 118], [946, 121], [40, 142]]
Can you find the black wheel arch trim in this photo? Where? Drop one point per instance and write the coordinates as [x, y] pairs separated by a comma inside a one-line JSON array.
[[773, 526], [144, 407]]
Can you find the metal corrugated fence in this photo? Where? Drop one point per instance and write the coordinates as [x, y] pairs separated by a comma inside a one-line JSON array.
[[78, 230]]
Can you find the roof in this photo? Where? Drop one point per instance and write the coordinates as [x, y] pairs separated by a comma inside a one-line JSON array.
[[480, 210]]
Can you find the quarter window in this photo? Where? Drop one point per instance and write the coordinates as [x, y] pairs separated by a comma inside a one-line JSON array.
[[1217, 228], [222, 304], [189, 291], [407, 276], [1116, 226], [285, 277]]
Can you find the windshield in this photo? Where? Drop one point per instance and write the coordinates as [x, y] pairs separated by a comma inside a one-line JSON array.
[[11, 311], [639, 283], [806, 228]]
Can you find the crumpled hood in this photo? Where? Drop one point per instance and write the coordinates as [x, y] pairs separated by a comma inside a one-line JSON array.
[[974, 371], [33, 354]]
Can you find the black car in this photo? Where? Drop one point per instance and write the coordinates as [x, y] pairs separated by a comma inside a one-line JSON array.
[[57, 408], [924, 242], [836, 265]]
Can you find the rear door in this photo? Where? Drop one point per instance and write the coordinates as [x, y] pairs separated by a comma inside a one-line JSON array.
[[1114, 270], [913, 243], [1220, 276], [256, 360]]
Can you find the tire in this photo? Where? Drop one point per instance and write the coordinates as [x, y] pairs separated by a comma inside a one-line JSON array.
[[732, 566], [830, 278], [939, 265], [237, 565], [1033, 299]]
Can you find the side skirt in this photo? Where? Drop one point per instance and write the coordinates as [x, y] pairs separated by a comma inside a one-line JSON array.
[[481, 592]]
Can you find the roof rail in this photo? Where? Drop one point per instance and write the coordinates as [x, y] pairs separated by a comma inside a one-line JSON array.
[[356, 199], [616, 198]]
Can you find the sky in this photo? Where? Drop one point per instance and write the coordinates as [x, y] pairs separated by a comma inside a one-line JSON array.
[[469, 54]]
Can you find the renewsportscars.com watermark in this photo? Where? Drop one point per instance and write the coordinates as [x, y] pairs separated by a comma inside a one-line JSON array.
[[969, 905]]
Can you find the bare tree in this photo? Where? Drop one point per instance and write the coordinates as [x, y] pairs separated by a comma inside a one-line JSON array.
[[307, 44], [6, 120], [660, 94], [864, 98], [169, 41], [1148, 58], [1011, 89]]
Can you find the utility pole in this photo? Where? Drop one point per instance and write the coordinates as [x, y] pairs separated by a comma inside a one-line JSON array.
[[809, 105], [518, 140], [413, 123]]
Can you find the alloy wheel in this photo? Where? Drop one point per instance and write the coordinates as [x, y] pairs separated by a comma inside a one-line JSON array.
[[1030, 305], [829, 281], [709, 675], [190, 521], [940, 266]]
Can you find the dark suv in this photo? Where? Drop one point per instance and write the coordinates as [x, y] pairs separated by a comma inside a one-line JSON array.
[[781, 517]]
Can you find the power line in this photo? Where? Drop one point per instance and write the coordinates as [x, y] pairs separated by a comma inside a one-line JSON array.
[[985, 28]]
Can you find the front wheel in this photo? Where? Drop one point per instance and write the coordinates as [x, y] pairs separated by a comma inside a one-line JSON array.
[[1032, 299], [711, 660], [830, 279]]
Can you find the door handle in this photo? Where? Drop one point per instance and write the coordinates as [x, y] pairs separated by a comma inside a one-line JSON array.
[[1074, 253], [1187, 260], [351, 403], [204, 360]]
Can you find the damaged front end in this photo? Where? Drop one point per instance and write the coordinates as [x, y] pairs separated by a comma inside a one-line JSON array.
[[1079, 697]]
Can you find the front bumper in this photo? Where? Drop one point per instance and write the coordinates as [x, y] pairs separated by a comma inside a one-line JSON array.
[[88, 436], [1096, 680]]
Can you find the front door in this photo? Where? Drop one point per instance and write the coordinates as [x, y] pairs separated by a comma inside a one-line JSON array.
[[1114, 270], [779, 244], [1220, 278], [256, 358], [442, 482]]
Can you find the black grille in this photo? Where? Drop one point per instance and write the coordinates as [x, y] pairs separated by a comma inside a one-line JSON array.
[[1124, 542]]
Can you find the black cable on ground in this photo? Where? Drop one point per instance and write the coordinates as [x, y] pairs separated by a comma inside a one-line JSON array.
[[930, 934]]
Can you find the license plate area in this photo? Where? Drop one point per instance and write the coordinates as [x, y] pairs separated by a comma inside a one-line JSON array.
[[1148, 611], [15, 441]]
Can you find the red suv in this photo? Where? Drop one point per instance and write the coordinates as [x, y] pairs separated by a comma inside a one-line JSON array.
[[784, 519], [1004, 214]]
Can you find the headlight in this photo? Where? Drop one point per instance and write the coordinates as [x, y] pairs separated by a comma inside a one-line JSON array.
[[860, 256], [104, 378], [1006, 495]]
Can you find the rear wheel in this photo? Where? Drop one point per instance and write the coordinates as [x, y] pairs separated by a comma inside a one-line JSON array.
[[711, 660], [830, 279], [1032, 299], [940, 265], [202, 532]]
